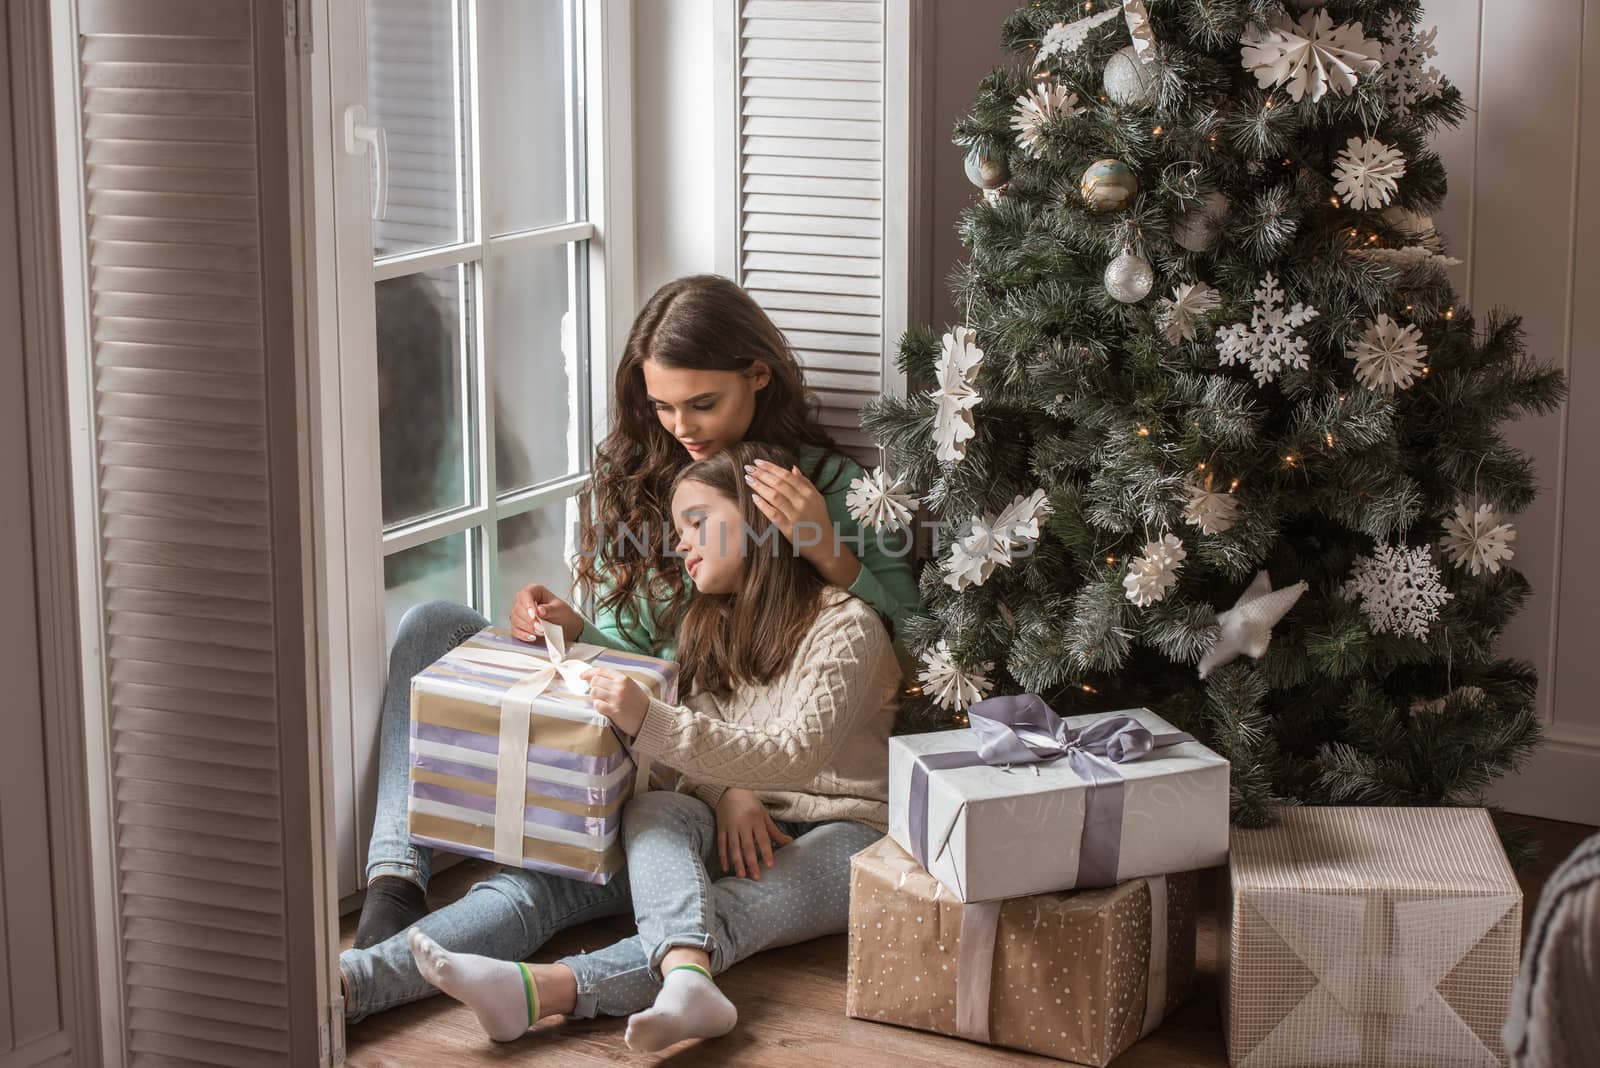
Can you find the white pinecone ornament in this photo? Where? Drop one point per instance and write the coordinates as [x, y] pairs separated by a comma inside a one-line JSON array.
[[947, 684], [1390, 355], [1150, 576], [1367, 172], [881, 502], [1476, 539]]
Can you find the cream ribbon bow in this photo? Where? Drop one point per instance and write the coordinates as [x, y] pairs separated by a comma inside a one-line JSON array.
[[516, 714]]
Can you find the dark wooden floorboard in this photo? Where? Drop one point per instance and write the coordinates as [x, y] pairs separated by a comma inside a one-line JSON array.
[[791, 1008]]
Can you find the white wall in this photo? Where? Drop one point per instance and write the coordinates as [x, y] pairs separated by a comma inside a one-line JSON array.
[[1518, 216], [673, 186]]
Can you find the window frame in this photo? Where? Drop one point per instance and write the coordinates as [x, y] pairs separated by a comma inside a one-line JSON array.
[[350, 544]]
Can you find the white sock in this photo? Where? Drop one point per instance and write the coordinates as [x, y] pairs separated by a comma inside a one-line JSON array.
[[689, 1006], [493, 989]]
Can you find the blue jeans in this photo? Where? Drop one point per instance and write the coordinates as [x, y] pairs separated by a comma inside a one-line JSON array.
[[671, 848], [427, 631]]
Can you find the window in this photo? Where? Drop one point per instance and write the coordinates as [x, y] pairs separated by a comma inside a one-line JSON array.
[[479, 274]]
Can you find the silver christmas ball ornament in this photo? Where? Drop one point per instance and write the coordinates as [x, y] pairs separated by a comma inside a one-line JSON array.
[[1129, 277], [1198, 229], [985, 171], [1130, 81]]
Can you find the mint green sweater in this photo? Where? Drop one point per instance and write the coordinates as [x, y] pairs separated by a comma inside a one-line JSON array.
[[885, 582]]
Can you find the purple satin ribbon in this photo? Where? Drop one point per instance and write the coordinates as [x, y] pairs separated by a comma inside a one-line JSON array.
[[1022, 729]]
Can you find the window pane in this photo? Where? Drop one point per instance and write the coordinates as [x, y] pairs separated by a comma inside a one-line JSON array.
[[533, 117], [537, 345], [422, 371], [433, 571], [417, 80], [535, 547]]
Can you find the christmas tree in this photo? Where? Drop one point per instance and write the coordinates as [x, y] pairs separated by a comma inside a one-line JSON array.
[[1215, 435]]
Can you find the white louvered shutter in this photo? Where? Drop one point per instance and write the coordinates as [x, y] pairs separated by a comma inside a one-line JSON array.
[[194, 363], [811, 182]]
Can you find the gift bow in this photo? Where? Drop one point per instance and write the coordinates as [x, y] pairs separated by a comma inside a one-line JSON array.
[[516, 715], [1022, 729]]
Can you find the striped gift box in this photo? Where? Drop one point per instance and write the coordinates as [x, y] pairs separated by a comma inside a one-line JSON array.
[[577, 769]]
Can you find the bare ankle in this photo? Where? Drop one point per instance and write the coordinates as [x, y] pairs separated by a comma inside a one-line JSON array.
[[557, 988]]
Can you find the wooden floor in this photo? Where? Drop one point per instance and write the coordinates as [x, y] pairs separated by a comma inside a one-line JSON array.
[[791, 1009]]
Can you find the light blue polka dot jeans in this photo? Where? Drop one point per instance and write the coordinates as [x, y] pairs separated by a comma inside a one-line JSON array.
[[671, 846], [672, 849]]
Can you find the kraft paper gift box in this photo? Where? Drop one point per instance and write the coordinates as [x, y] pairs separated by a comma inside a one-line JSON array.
[[1367, 937], [1022, 802], [510, 761], [1080, 975]]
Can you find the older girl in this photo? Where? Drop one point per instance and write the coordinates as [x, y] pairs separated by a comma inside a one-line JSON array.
[[703, 369]]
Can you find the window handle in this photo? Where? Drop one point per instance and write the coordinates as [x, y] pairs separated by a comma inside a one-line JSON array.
[[357, 136]]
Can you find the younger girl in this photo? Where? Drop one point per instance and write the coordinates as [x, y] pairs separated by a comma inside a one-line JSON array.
[[792, 687]]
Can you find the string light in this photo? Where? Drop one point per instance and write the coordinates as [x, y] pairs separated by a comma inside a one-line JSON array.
[[1144, 432], [1334, 201], [1111, 559], [1450, 312], [1201, 466], [1425, 370], [1233, 485], [1329, 439], [1089, 689], [1288, 458], [1156, 132]]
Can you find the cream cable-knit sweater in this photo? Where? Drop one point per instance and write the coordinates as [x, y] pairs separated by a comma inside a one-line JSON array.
[[814, 743]]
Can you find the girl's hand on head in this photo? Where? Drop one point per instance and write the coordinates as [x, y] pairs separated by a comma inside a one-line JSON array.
[[534, 606], [746, 833], [618, 698], [794, 505]]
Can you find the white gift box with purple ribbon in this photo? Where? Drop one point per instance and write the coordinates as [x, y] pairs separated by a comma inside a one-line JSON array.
[[1025, 802]]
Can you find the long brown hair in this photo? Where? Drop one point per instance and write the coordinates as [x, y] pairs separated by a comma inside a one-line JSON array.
[[701, 322], [750, 636]]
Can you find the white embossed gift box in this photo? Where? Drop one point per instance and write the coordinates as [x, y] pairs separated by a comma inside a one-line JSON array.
[[1368, 937], [1079, 975], [1022, 802], [510, 761]]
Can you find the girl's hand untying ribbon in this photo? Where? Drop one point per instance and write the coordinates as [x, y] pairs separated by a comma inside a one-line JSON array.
[[618, 698]]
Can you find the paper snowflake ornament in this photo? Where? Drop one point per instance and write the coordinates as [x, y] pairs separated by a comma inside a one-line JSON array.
[[1150, 576], [1180, 314], [1389, 356], [1212, 512], [1399, 589], [1310, 56], [1475, 539], [995, 541], [1366, 172], [1269, 343], [955, 396], [1407, 78], [880, 502], [947, 684], [1065, 38], [1246, 628], [1036, 109]]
